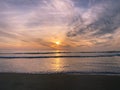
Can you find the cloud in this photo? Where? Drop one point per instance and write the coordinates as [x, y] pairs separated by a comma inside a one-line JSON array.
[[22, 5], [98, 23], [78, 23], [54, 13]]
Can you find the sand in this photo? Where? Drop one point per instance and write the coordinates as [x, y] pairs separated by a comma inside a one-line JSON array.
[[14, 81]]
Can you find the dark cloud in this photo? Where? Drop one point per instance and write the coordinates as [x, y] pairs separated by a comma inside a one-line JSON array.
[[107, 22]]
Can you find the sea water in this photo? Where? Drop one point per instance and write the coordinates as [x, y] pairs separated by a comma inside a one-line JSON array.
[[106, 62]]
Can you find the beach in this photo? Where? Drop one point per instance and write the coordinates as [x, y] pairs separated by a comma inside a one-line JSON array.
[[58, 81]]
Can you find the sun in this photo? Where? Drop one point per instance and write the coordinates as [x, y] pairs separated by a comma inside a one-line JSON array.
[[57, 43]]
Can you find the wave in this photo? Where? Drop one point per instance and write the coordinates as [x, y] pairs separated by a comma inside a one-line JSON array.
[[59, 52], [82, 73], [68, 72], [77, 56]]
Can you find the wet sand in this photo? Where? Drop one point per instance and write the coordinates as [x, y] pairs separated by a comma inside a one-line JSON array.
[[12, 81]]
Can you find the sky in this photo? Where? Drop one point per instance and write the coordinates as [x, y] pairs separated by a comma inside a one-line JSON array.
[[60, 24]]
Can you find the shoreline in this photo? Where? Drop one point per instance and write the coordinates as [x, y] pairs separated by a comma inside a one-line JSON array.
[[58, 81]]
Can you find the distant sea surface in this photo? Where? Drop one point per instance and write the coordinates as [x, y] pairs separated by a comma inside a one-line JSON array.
[[101, 62]]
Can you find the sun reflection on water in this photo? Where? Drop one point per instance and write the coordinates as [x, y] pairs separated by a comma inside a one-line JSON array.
[[58, 64]]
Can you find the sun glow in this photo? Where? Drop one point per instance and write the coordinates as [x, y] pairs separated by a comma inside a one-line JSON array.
[[57, 43]]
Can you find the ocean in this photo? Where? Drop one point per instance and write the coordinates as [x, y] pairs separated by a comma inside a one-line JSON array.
[[69, 62]]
